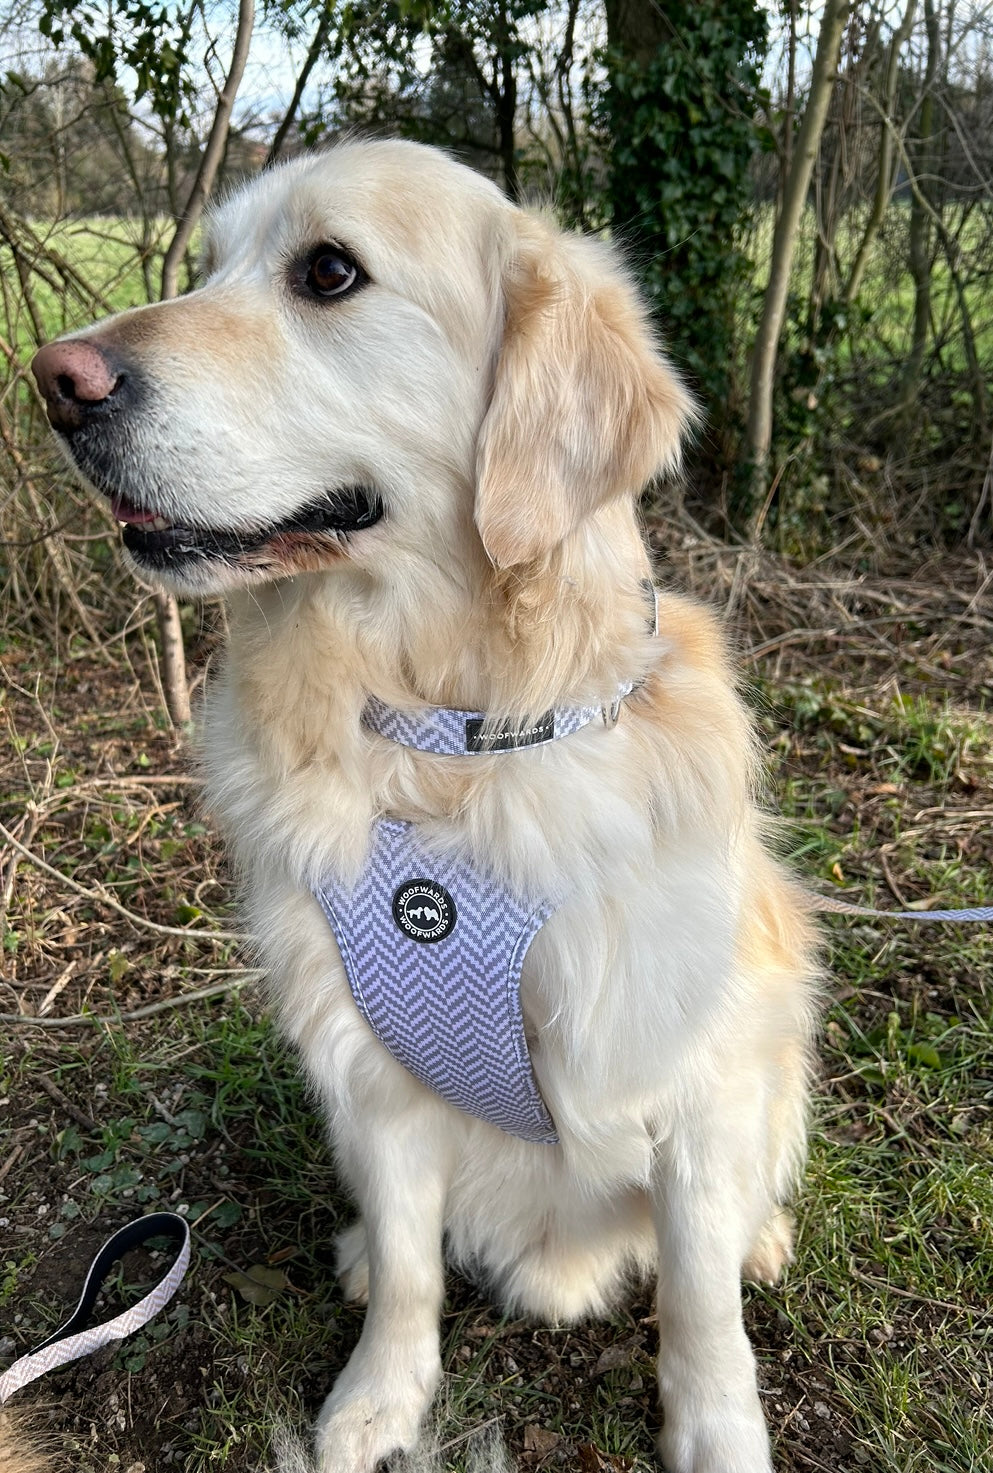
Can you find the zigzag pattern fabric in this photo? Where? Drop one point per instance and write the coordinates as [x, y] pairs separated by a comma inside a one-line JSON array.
[[433, 950], [450, 733], [61, 1348]]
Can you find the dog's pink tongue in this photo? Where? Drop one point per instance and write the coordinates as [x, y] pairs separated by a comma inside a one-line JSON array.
[[125, 512]]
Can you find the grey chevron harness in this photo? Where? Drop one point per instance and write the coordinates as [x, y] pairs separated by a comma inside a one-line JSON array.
[[433, 946], [433, 951]]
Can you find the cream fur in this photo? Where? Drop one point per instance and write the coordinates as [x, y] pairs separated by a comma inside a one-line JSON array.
[[21, 1450], [497, 382]]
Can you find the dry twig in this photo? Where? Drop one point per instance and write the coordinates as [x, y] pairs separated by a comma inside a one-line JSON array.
[[234, 985], [101, 897]]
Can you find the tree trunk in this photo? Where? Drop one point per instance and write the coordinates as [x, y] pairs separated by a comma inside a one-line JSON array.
[[636, 27], [174, 682], [786, 152], [212, 154], [173, 658], [884, 162], [759, 433], [505, 101], [921, 212]]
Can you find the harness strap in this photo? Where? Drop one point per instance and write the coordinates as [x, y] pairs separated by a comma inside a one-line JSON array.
[[73, 1339]]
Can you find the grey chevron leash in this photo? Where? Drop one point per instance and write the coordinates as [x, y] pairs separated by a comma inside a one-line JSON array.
[[76, 1337], [828, 903]]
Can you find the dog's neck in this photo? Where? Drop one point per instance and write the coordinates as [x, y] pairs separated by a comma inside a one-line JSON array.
[[510, 644]]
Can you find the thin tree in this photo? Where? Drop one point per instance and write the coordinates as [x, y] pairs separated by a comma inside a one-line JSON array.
[[174, 682], [922, 215], [759, 432], [885, 158], [314, 54]]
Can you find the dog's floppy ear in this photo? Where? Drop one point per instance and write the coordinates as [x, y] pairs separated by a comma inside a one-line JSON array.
[[584, 407]]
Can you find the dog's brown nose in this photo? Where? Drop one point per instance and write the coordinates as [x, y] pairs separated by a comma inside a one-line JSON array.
[[76, 378]]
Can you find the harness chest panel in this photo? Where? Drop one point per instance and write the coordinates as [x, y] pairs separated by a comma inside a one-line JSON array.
[[433, 950]]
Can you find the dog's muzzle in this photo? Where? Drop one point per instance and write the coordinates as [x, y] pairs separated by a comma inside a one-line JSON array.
[[90, 393]]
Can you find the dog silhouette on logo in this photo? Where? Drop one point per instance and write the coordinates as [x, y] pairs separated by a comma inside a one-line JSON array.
[[424, 913]]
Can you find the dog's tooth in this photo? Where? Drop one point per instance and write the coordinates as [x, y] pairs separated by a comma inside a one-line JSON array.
[[159, 524]]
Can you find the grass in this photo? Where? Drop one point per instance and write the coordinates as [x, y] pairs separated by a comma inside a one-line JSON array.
[[885, 313], [895, 1273]]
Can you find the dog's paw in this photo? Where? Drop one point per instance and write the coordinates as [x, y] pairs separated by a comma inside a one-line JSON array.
[[713, 1421], [374, 1412], [771, 1251], [360, 1435], [719, 1442], [352, 1263]]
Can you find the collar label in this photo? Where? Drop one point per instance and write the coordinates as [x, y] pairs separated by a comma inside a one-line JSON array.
[[506, 737]]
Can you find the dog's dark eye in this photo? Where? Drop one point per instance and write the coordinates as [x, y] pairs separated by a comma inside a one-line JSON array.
[[330, 273]]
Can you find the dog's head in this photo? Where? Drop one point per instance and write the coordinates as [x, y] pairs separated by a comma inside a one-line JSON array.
[[385, 357]]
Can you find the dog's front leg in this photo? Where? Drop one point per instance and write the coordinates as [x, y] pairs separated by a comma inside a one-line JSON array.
[[399, 1171], [705, 1221]]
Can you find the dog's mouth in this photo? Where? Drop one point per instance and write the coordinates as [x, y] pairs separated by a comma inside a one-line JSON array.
[[157, 543]]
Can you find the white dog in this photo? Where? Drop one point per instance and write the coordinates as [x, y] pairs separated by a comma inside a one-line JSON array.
[[403, 425]]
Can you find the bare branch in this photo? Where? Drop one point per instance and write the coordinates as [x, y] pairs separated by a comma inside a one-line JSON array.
[[212, 154], [310, 61]]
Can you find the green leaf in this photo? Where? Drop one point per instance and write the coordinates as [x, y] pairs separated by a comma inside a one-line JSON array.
[[226, 1215], [117, 965], [924, 1053], [101, 1162], [194, 1122]]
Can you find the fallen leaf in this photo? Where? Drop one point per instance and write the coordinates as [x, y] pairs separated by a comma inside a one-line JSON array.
[[540, 1440], [593, 1460], [613, 1359], [259, 1285]]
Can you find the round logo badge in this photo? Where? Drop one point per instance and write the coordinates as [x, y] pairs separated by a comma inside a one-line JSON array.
[[424, 910]]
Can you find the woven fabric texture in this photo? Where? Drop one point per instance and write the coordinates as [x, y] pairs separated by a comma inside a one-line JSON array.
[[433, 950], [86, 1341], [445, 732]]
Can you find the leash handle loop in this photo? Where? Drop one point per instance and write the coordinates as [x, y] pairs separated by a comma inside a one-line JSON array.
[[73, 1339]]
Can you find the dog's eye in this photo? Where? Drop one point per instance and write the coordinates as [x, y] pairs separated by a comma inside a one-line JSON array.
[[330, 273]]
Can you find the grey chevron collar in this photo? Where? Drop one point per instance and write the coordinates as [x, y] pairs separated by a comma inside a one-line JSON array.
[[449, 733]]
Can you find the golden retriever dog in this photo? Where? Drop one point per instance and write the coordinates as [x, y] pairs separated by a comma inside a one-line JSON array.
[[403, 426]]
